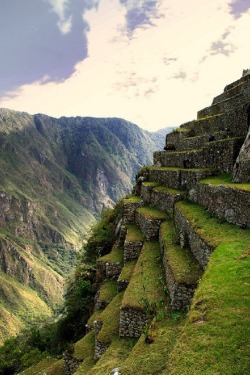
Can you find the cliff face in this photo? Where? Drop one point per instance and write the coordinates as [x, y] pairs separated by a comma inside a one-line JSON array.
[[56, 175], [173, 289]]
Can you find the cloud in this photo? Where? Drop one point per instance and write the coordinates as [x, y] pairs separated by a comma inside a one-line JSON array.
[[223, 48], [33, 45], [239, 7], [180, 75], [141, 14], [154, 78]]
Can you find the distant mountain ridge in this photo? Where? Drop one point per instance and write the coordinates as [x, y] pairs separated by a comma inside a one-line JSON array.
[[56, 176]]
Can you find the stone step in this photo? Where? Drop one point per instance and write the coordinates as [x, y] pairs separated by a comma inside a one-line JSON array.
[[220, 155], [144, 292], [130, 204], [110, 265], [177, 178], [224, 199], [149, 219], [202, 233], [181, 268], [83, 355], [107, 326], [126, 274], [161, 197], [179, 159], [242, 85], [193, 135], [228, 104], [105, 294], [133, 242]]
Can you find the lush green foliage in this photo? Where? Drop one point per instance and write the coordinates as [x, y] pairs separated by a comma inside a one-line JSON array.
[[102, 236], [35, 343]]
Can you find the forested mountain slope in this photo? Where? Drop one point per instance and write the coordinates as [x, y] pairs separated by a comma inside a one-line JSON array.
[[56, 176]]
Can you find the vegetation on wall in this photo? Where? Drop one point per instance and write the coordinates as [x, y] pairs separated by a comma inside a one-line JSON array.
[[53, 338]]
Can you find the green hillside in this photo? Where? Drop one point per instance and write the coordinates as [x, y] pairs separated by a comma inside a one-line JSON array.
[[57, 175]]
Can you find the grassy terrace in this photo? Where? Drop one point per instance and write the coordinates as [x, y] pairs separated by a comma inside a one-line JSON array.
[[184, 266], [225, 180], [215, 338], [146, 359], [127, 270], [95, 316], [150, 184], [167, 190], [115, 256], [213, 230], [177, 169], [134, 233], [47, 366], [108, 290], [84, 350], [146, 280], [152, 213], [132, 199], [110, 318], [114, 356]]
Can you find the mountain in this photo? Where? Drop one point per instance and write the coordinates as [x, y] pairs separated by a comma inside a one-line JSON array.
[[57, 175]]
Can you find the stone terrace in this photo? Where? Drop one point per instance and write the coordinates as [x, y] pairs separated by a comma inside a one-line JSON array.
[[183, 208]]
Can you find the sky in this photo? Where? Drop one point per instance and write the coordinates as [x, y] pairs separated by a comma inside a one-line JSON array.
[[152, 62]]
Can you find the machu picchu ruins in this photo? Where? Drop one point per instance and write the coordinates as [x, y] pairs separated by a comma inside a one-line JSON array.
[[187, 219]]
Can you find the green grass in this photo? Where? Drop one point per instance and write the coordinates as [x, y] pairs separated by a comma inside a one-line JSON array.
[[110, 318], [150, 184], [115, 256], [167, 190], [127, 270], [215, 338], [208, 117], [184, 266], [146, 280], [152, 213], [134, 233], [132, 199], [23, 307], [213, 230], [84, 350], [95, 316], [114, 356], [149, 359], [108, 290], [226, 180], [50, 366]]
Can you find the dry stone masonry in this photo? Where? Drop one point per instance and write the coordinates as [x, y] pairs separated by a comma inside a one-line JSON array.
[[192, 169]]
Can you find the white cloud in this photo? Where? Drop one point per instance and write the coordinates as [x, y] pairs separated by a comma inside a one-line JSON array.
[[65, 25], [60, 7], [136, 78]]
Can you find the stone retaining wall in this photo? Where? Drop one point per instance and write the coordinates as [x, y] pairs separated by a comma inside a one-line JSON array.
[[180, 179], [129, 211], [132, 250], [224, 202], [70, 363], [220, 155], [149, 228], [132, 322], [170, 178], [165, 201], [122, 284], [180, 294], [100, 349], [188, 238]]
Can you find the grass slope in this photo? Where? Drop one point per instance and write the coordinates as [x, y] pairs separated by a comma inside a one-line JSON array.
[[215, 338]]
